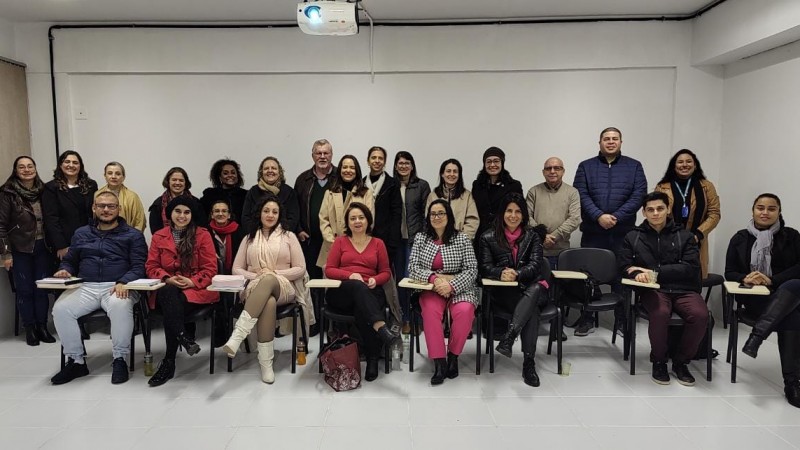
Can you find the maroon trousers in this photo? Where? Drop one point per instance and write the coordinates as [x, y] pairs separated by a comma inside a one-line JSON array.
[[690, 307]]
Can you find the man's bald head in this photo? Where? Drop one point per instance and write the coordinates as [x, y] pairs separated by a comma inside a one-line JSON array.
[[553, 171]]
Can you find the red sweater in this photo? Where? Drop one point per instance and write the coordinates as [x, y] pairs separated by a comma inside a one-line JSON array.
[[344, 260]]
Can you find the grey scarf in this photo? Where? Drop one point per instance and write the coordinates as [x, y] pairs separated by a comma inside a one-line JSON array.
[[761, 253]]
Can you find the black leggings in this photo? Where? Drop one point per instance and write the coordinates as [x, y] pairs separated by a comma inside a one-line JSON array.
[[174, 306], [367, 305], [525, 305]]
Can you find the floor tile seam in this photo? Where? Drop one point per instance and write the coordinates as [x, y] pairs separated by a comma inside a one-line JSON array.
[[769, 429], [740, 411]]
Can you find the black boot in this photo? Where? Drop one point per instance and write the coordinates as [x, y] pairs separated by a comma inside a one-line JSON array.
[[188, 343], [529, 374], [507, 341], [783, 303], [30, 336], [165, 372], [439, 371], [43, 334], [452, 365], [371, 372], [751, 346], [789, 349]]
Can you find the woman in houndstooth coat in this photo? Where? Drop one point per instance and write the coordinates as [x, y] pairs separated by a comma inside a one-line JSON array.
[[446, 258]]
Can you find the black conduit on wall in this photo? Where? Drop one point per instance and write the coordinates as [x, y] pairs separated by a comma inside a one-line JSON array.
[[51, 38]]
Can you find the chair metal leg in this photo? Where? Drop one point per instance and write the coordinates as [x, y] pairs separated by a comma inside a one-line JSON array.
[[490, 340], [294, 339], [734, 343], [323, 331], [478, 343], [632, 341], [211, 344], [559, 330], [709, 349], [413, 317], [387, 349]]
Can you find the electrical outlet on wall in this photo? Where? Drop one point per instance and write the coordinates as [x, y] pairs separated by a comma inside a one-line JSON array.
[[80, 113]]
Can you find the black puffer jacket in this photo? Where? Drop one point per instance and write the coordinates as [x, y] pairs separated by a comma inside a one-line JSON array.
[[493, 258], [673, 253], [65, 211], [785, 256]]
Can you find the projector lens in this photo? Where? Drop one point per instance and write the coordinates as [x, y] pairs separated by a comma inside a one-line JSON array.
[[314, 14]]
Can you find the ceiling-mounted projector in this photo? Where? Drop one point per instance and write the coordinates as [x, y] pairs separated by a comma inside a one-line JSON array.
[[328, 18]]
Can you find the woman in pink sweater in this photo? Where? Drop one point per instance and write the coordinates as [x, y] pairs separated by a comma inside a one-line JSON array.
[[272, 260], [362, 263]]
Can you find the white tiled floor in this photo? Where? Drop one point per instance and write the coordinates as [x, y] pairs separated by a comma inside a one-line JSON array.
[[598, 406]]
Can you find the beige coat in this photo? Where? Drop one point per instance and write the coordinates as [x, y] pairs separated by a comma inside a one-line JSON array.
[[331, 218], [711, 215], [464, 210]]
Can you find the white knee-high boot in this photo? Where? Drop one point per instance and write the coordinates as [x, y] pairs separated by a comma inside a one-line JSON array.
[[241, 329], [266, 354]]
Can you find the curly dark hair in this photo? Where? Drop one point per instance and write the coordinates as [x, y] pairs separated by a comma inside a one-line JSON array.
[[670, 175], [216, 172], [256, 227]]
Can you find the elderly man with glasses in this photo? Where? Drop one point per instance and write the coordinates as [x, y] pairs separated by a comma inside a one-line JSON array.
[[106, 255], [557, 206]]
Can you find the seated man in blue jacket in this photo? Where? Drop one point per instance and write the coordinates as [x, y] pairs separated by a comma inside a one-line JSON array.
[[658, 246], [106, 255]]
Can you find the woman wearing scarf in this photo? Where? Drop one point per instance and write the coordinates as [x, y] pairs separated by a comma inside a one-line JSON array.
[[182, 256], [694, 200], [451, 189], [347, 187], [513, 252], [176, 184], [272, 260], [22, 246], [226, 233], [767, 253], [130, 205], [271, 182]]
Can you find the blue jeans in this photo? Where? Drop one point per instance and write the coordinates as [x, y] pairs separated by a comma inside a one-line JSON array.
[[33, 302], [401, 268]]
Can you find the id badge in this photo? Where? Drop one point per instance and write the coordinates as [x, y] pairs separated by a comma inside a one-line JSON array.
[[685, 211]]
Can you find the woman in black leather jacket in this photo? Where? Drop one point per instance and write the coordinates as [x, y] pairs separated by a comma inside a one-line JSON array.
[[511, 251], [22, 246]]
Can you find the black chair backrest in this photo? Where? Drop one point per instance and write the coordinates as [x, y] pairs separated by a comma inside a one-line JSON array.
[[546, 272], [599, 263]]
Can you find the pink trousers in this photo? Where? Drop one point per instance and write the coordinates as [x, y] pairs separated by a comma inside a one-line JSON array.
[[462, 314]]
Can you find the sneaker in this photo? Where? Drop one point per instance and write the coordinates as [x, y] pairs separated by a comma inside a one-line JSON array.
[[70, 371], [584, 328], [119, 371], [660, 374], [682, 373]]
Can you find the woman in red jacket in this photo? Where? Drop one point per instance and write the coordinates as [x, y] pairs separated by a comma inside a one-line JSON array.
[[181, 255]]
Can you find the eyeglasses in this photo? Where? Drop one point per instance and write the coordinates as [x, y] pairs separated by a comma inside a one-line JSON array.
[[108, 206], [403, 163], [437, 215], [553, 169], [493, 161]]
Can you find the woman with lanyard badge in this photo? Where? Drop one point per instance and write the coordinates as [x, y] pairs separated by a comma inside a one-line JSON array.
[[694, 200]]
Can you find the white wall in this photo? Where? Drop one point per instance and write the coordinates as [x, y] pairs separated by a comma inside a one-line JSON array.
[[760, 136], [7, 49], [737, 29], [190, 96]]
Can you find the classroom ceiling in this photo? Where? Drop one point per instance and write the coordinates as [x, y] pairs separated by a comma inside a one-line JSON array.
[[279, 11]]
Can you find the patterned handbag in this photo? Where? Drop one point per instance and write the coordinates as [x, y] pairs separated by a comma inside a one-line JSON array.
[[341, 364]]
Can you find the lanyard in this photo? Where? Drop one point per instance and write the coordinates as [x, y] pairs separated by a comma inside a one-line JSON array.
[[685, 208]]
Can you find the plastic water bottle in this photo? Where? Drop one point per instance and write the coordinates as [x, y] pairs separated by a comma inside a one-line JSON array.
[[397, 355], [148, 365]]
